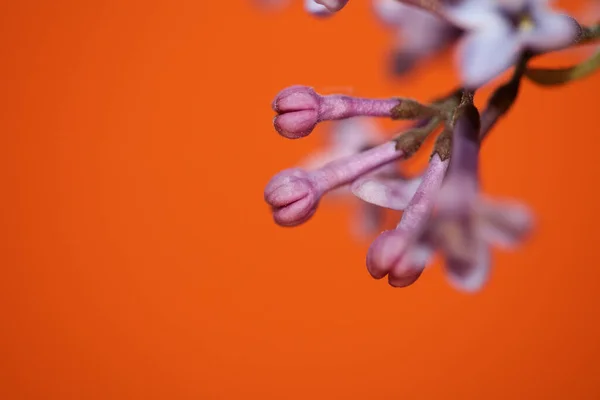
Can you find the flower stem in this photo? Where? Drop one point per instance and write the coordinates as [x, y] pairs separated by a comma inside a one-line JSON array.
[[561, 76], [589, 34]]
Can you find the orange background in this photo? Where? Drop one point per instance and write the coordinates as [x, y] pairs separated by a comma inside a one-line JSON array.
[[139, 260]]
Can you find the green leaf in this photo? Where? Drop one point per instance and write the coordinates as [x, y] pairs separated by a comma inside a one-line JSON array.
[[561, 76]]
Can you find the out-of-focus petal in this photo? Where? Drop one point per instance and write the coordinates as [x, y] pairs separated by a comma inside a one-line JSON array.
[[552, 31], [486, 54], [316, 9], [354, 134], [390, 12], [344, 138], [320, 158], [366, 220], [473, 14], [504, 223], [470, 274], [390, 192]]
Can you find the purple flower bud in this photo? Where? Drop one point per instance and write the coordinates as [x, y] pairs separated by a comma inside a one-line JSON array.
[[293, 196], [300, 108], [392, 253], [420, 33], [295, 193], [297, 109], [385, 255]]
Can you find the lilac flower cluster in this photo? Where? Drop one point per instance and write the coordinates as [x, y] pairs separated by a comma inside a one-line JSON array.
[[443, 210]]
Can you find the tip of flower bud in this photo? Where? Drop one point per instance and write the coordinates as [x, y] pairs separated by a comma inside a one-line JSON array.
[[385, 257], [292, 196], [298, 111], [296, 125], [404, 280]]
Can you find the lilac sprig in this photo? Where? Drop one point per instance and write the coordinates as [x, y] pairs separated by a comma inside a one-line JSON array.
[[419, 34], [443, 209], [403, 253]]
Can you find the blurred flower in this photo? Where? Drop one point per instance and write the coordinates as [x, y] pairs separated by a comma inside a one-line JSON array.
[[499, 31], [420, 34], [464, 224]]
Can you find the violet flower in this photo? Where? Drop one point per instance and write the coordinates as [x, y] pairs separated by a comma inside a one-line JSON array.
[[465, 225], [499, 31], [420, 34]]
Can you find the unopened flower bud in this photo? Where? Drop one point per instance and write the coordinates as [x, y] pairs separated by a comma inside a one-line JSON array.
[[300, 108]]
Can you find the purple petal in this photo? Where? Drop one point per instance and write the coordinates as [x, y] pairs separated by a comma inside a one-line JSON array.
[[473, 14], [333, 5], [391, 12], [393, 193], [354, 134], [470, 273], [425, 33], [504, 223], [367, 220], [487, 54], [316, 9], [345, 138], [552, 31]]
